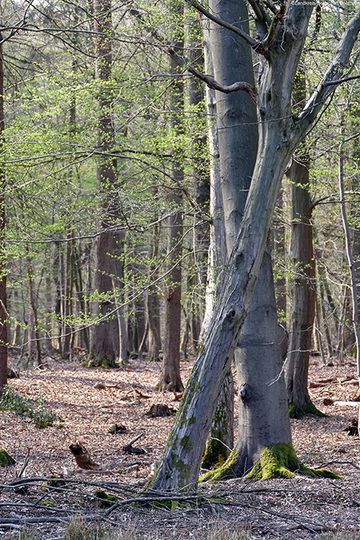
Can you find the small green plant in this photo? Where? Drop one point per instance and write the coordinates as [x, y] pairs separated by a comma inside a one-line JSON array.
[[23, 406]]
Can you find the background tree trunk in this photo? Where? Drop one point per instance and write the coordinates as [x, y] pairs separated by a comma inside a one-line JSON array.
[[105, 346], [303, 293], [3, 295], [170, 379]]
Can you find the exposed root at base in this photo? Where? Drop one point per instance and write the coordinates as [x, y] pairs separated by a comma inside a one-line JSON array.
[[276, 461]]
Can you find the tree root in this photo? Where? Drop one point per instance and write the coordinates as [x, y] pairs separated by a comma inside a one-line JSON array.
[[276, 461], [299, 412]]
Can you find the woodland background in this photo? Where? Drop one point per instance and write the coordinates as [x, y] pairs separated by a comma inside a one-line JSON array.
[[108, 151]]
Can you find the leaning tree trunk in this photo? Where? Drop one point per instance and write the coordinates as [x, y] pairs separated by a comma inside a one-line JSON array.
[[279, 134], [304, 293], [170, 378], [105, 346], [3, 296]]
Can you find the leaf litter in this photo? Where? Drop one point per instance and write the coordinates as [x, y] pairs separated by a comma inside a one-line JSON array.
[[89, 402]]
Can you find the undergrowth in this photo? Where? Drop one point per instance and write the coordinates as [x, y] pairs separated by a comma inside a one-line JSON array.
[[24, 406], [79, 529]]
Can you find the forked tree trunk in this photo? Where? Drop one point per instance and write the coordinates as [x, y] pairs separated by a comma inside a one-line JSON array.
[[279, 135], [258, 350]]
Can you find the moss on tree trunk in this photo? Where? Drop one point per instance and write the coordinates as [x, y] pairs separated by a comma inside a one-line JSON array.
[[299, 412], [276, 461]]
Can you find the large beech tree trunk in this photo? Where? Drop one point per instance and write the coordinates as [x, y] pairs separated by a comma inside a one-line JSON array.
[[263, 410], [279, 134], [105, 346], [257, 355]]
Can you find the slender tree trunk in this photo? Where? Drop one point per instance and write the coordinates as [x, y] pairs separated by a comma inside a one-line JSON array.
[[69, 258], [349, 255], [67, 302], [153, 300], [79, 287], [105, 346], [304, 292], [35, 331], [3, 295], [170, 376], [200, 179]]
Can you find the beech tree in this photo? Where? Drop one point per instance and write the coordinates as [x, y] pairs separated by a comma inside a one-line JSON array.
[[280, 40], [262, 407], [170, 377], [105, 345]]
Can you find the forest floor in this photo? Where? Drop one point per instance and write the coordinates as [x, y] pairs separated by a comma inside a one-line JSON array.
[[90, 401]]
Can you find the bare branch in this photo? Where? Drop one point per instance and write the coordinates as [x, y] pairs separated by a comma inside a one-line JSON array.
[[340, 81], [332, 76], [260, 12], [251, 41], [182, 62]]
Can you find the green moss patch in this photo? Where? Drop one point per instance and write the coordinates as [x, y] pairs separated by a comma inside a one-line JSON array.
[[224, 470], [5, 459], [298, 412], [276, 461], [280, 461], [103, 499]]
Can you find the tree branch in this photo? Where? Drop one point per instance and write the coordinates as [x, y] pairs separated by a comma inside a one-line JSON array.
[[261, 14], [183, 62], [340, 81], [251, 41], [332, 76]]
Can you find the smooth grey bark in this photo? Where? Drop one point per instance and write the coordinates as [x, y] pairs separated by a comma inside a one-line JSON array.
[[263, 408], [279, 134], [257, 356]]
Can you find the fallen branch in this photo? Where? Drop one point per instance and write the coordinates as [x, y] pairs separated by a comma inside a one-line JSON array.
[[130, 449]]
